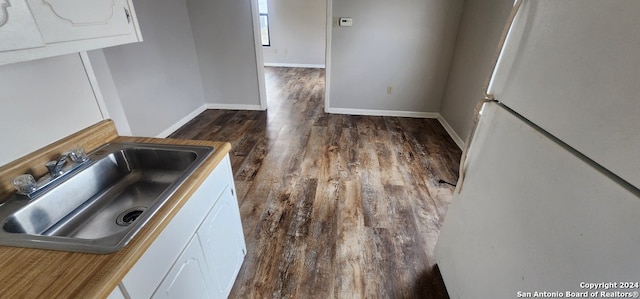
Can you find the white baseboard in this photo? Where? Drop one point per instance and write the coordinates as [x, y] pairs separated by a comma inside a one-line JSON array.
[[182, 122], [201, 109], [232, 106], [456, 138], [302, 65], [413, 114]]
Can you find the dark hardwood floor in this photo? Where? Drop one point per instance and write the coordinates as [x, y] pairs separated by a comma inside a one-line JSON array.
[[333, 206]]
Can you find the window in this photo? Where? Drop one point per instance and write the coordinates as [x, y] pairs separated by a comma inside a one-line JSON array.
[[264, 22]]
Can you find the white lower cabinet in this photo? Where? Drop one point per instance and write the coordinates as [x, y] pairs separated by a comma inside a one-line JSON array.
[[199, 254], [189, 277], [222, 226]]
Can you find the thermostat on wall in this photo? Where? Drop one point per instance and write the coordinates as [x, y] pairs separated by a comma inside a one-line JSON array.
[[345, 22]]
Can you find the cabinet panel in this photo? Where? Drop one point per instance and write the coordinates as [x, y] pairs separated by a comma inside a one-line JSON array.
[[189, 276], [68, 20], [223, 242], [18, 30]]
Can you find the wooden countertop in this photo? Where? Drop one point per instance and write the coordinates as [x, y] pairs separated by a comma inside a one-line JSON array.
[[38, 273]]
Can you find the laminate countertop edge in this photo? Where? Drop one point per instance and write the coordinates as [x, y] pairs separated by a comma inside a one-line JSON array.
[[30, 273]]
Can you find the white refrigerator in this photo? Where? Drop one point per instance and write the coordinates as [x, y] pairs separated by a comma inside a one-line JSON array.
[[548, 202]]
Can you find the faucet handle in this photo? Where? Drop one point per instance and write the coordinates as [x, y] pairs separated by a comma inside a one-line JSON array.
[[25, 184], [77, 155], [55, 167]]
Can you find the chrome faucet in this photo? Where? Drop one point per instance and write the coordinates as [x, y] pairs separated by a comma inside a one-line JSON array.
[[27, 185], [55, 167], [76, 155]]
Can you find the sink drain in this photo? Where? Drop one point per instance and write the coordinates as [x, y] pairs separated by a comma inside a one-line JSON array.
[[129, 216]]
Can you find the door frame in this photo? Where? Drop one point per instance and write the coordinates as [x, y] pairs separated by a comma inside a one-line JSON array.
[[327, 56], [257, 38]]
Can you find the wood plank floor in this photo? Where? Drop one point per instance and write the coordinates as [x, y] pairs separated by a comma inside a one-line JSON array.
[[333, 206]]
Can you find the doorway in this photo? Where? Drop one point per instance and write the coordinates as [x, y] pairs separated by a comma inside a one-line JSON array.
[[290, 34]]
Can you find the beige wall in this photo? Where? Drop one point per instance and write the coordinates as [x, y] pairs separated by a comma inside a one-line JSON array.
[[480, 28]]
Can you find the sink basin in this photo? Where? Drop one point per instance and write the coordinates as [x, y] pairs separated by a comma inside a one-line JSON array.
[[99, 207]]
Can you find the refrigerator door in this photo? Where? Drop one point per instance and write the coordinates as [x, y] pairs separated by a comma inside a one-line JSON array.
[[573, 68], [532, 215]]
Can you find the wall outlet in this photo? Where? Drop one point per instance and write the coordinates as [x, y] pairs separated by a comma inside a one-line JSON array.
[[336, 22], [389, 89]]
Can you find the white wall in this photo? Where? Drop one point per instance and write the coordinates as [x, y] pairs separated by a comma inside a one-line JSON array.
[[109, 92], [407, 44], [480, 28], [158, 80], [224, 39], [42, 101], [297, 30]]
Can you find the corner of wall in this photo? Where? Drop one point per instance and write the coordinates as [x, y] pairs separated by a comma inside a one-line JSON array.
[[456, 138], [453, 52], [187, 118], [105, 90]]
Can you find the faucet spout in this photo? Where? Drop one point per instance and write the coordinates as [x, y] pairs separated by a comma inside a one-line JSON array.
[[55, 167]]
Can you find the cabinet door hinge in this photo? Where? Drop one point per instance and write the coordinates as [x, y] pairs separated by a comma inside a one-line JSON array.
[[126, 13], [232, 193]]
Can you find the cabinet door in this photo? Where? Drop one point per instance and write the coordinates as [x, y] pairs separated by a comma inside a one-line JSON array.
[[189, 276], [69, 20], [18, 30], [223, 243]]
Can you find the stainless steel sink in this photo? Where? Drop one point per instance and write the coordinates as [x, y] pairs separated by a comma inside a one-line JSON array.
[[101, 206]]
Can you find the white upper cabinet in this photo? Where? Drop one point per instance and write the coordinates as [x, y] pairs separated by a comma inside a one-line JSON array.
[[18, 30], [69, 20], [35, 29]]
